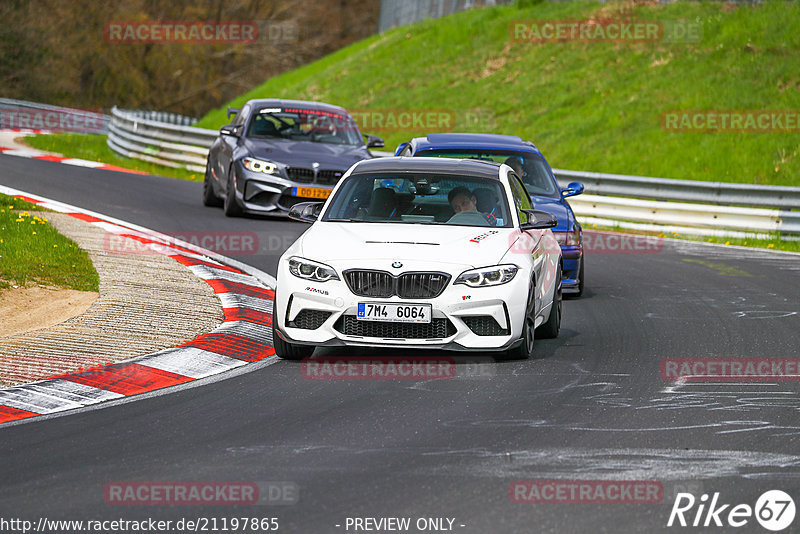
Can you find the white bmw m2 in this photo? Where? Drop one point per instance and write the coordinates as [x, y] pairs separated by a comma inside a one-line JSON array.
[[420, 253]]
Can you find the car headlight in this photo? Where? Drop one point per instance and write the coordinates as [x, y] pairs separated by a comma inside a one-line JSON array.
[[259, 165], [311, 270], [488, 276], [568, 239]]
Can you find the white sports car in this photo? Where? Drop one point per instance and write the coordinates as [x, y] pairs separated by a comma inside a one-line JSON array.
[[420, 253]]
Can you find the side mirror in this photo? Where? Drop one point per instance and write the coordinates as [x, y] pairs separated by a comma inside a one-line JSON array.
[[233, 111], [538, 220], [373, 141], [306, 211], [400, 148], [575, 188], [230, 129]]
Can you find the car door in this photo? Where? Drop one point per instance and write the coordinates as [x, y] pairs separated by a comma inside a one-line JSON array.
[[227, 147], [532, 239]]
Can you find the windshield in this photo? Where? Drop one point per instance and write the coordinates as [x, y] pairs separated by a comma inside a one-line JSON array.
[[304, 125], [420, 198], [530, 167]]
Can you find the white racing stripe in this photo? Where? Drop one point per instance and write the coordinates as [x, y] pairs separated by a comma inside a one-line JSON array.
[[189, 361]]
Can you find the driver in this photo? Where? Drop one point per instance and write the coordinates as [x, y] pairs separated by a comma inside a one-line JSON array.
[[463, 200], [515, 162]]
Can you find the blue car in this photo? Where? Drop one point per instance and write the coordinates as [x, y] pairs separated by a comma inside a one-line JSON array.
[[532, 168]]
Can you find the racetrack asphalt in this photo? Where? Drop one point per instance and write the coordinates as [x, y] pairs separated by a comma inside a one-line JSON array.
[[592, 406]]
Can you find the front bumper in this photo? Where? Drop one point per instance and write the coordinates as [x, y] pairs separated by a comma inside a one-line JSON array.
[[260, 193], [463, 318]]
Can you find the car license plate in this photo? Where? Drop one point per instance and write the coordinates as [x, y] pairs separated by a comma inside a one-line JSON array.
[[396, 313], [311, 192]]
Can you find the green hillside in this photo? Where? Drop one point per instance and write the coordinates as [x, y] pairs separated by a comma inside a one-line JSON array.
[[588, 105]]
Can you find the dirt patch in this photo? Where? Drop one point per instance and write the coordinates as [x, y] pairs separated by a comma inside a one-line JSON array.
[[23, 309]]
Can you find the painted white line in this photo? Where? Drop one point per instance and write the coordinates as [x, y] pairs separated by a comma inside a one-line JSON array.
[[174, 252], [191, 362], [83, 163], [210, 273], [24, 152], [246, 329], [233, 300], [27, 398], [117, 229], [73, 391]]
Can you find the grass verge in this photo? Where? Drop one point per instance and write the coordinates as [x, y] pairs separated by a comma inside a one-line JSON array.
[[33, 252], [93, 147]]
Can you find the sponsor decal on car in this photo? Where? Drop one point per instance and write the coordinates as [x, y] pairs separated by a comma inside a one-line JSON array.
[[481, 237], [315, 290]]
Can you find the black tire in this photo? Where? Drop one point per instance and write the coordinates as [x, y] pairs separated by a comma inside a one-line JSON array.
[[524, 350], [550, 328], [230, 206], [290, 351], [209, 197]]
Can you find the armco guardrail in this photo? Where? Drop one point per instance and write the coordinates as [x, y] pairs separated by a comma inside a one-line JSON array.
[[673, 205], [148, 136], [686, 190], [23, 115], [684, 217]]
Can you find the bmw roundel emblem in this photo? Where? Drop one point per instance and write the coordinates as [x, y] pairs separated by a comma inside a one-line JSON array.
[[397, 265]]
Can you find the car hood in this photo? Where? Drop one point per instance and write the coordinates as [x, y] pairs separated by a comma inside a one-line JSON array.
[[377, 245], [304, 153], [556, 207]]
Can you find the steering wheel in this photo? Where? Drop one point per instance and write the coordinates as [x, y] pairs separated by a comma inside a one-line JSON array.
[[469, 218]]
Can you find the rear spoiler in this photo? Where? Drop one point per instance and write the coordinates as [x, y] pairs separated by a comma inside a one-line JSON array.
[[233, 111]]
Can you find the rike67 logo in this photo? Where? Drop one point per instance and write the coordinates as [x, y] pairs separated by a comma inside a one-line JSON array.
[[774, 510]]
